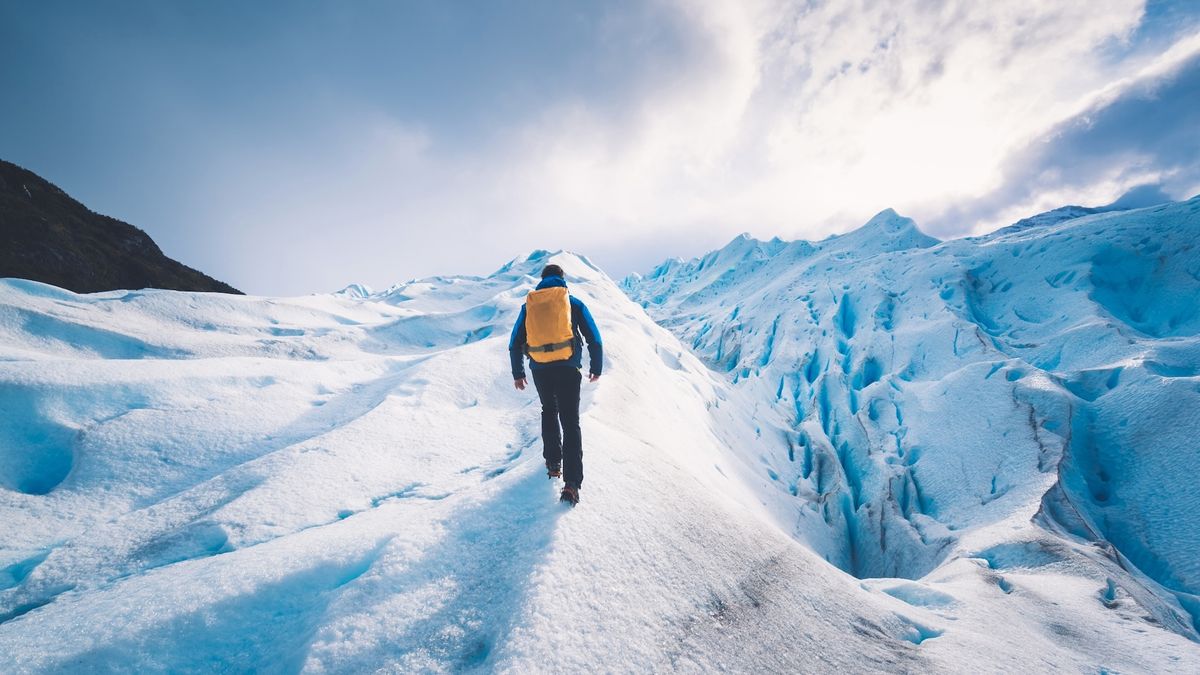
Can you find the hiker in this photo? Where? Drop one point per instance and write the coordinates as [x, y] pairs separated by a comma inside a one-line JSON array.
[[550, 330]]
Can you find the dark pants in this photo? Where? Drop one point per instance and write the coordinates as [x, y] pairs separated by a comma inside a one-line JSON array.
[[558, 389]]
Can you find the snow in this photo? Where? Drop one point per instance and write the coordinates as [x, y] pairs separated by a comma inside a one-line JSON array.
[[884, 470]]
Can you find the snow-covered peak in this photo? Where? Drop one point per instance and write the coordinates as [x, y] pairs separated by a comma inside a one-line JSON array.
[[746, 264], [1139, 197], [576, 266], [515, 276], [888, 223], [665, 267], [355, 290], [885, 231], [743, 247], [573, 264]]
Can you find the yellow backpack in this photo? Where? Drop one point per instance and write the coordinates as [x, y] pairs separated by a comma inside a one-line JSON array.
[[548, 333]]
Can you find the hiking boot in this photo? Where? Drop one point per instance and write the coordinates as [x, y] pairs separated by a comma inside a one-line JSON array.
[[570, 494], [553, 470]]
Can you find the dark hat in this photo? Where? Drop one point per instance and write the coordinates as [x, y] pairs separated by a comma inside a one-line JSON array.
[[552, 271]]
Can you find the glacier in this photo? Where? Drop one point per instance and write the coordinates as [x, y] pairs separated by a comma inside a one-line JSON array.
[[1028, 399], [874, 453]]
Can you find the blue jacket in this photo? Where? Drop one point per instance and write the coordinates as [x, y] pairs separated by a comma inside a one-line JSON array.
[[581, 323]]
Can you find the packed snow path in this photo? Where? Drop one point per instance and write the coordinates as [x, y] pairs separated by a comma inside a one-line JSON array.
[[349, 483]]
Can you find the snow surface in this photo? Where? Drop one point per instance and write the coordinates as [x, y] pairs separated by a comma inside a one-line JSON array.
[[888, 470]]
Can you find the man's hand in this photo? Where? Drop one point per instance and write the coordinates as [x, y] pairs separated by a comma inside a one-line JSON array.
[[592, 377], [520, 383]]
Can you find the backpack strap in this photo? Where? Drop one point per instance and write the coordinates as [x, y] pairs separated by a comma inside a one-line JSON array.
[[550, 347]]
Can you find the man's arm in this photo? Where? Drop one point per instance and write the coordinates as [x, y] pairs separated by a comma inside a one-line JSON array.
[[587, 326], [516, 347]]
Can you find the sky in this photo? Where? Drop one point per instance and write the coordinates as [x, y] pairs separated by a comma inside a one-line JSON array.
[[296, 147]]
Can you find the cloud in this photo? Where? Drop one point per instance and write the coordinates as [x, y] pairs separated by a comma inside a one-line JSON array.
[[809, 117], [780, 118], [1140, 144]]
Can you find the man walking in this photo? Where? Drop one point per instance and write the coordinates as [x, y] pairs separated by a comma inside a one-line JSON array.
[[550, 330]]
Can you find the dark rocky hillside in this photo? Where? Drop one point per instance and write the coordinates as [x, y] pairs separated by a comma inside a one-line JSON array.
[[47, 236]]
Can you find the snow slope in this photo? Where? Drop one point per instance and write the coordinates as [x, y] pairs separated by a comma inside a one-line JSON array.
[[350, 483], [1028, 401]]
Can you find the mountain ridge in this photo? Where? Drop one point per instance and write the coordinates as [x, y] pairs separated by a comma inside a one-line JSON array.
[[47, 236]]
